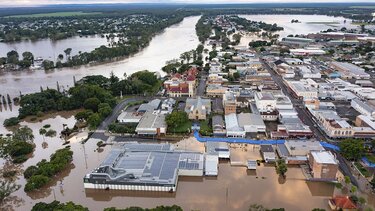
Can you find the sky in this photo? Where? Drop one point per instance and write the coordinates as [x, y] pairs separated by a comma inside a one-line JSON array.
[[44, 2]]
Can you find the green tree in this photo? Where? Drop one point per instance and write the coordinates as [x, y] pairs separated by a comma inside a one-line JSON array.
[[281, 167], [58, 206], [11, 122], [176, 119], [104, 109], [352, 149], [94, 120], [67, 52], [92, 104], [318, 209], [7, 188], [24, 134], [48, 64], [12, 57]]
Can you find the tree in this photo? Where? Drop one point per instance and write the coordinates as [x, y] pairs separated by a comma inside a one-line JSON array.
[[352, 149], [24, 134], [67, 52], [12, 57], [94, 120], [7, 188], [318, 209], [28, 56], [56, 205], [92, 104], [60, 57], [347, 180], [281, 167], [11, 122], [176, 119], [257, 207], [48, 64], [104, 109]]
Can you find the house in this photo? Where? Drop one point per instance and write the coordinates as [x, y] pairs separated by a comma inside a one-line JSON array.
[[198, 108], [152, 123], [268, 153], [167, 105], [218, 126], [229, 103], [323, 165], [343, 203], [252, 165], [296, 41]]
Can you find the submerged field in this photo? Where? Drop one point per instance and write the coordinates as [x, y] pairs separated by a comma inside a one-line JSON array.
[[55, 14]]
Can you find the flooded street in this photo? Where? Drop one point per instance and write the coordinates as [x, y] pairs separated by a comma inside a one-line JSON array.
[[165, 46]]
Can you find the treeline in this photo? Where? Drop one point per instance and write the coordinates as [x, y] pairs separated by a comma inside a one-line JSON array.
[[96, 94], [203, 28], [39, 175], [255, 26], [57, 206]]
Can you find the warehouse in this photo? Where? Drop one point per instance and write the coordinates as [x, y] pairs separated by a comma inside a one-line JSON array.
[[146, 167]]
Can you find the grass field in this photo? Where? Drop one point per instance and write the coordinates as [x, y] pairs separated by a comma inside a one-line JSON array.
[[55, 14]]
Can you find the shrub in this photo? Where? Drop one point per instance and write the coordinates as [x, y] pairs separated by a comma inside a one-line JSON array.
[[7, 174], [11, 121]]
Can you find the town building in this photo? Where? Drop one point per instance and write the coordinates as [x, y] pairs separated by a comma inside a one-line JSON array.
[[144, 167], [296, 151], [363, 107], [232, 126], [343, 203], [333, 125], [268, 153], [323, 165], [229, 103], [215, 90], [221, 149], [198, 108], [218, 126], [296, 41], [251, 123], [182, 85], [349, 70], [152, 123]]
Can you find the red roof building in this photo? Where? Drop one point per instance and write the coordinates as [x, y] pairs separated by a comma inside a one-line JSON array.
[[342, 203]]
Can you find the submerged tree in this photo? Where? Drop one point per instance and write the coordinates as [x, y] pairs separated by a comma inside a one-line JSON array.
[[7, 188], [281, 167]]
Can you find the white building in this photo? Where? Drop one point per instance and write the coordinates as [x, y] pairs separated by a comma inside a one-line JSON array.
[[152, 123], [233, 127], [211, 165], [265, 101], [363, 107]]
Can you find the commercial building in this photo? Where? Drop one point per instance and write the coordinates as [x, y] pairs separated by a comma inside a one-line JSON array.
[[296, 151], [307, 52], [296, 41], [229, 103], [218, 126], [144, 167], [268, 153], [265, 101], [349, 70], [215, 90], [129, 117], [251, 123], [363, 107], [232, 126], [221, 149], [152, 123], [323, 165], [302, 90], [211, 163], [333, 125], [182, 85]]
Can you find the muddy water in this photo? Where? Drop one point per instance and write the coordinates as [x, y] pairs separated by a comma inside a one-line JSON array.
[[234, 189], [50, 49], [165, 46]]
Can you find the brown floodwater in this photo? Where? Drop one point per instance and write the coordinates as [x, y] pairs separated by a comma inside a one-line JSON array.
[[234, 188]]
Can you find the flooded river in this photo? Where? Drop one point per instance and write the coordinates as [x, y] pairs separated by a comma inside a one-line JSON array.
[[50, 49], [165, 46]]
